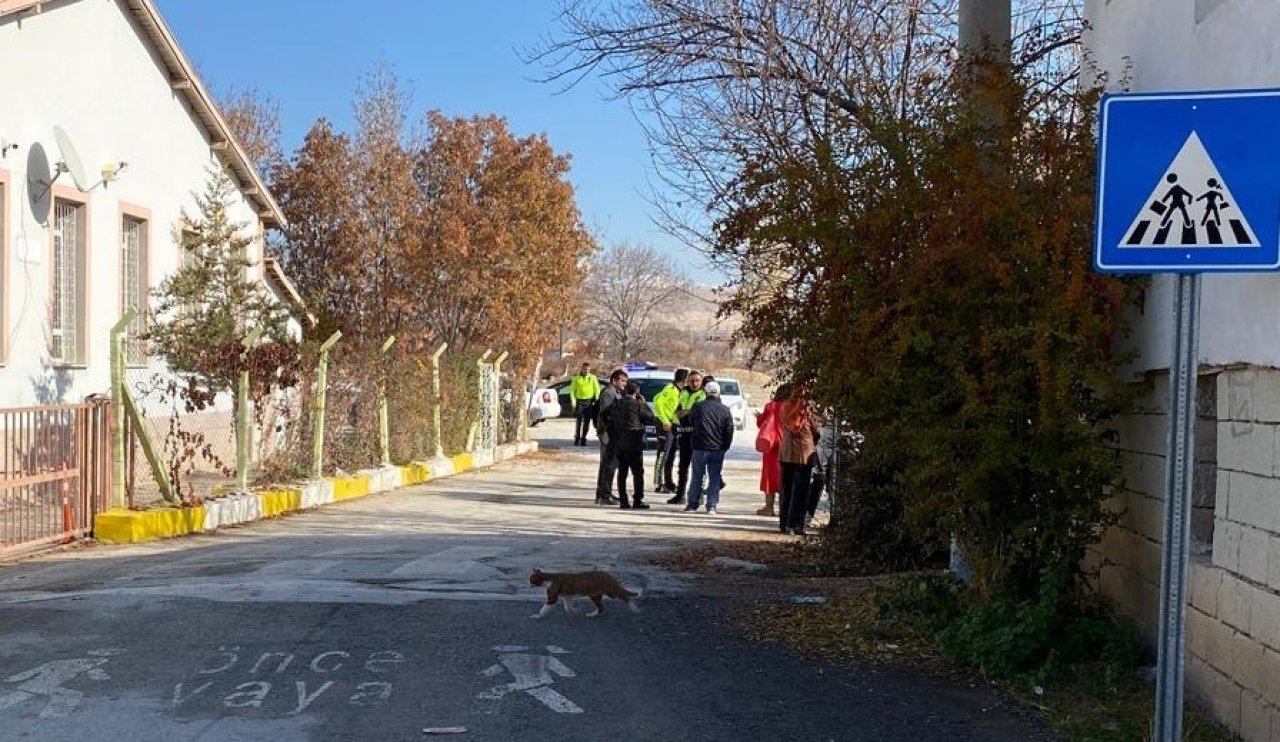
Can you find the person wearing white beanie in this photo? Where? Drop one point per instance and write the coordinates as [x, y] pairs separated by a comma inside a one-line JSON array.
[[712, 435]]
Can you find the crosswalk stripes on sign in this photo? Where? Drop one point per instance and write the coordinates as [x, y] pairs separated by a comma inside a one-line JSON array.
[[1191, 206]]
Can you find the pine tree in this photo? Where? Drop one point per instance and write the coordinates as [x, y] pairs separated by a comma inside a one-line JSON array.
[[205, 309]]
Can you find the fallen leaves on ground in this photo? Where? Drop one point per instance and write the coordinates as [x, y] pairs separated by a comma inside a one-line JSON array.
[[849, 630]]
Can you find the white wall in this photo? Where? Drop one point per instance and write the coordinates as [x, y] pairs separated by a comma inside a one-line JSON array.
[[1197, 45], [84, 66]]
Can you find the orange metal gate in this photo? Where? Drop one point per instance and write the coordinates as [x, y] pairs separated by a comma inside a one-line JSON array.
[[55, 473]]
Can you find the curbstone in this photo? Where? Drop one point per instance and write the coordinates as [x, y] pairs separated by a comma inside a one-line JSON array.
[[382, 479], [122, 526], [315, 493], [134, 526], [349, 488], [231, 510], [279, 502], [441, 468]]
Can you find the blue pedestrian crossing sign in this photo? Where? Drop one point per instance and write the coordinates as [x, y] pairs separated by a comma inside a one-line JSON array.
[[1188, 183]]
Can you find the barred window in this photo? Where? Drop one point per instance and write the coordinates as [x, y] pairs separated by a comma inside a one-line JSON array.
[[66, 309], [133, 285]]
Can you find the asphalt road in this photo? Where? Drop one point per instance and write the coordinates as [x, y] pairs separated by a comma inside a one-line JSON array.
[[375, 619]]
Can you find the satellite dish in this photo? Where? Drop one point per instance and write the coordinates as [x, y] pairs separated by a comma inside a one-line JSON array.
[[39, 180], [71, 159]]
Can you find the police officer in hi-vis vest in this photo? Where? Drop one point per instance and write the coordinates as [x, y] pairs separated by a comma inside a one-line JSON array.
[[583, 390], [690, 396]]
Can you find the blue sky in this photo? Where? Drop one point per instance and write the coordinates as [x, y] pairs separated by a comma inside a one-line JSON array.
[[459, 57]]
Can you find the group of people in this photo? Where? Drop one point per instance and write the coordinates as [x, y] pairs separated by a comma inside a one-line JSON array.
[[695, 430], [791, 474]]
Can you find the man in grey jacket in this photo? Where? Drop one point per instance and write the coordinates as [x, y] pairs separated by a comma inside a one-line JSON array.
[[608, 449], [711, 436]]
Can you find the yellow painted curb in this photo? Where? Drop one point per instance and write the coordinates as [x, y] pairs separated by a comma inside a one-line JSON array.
[[414, 474], [134, 526], [279, 502], [349, 488]]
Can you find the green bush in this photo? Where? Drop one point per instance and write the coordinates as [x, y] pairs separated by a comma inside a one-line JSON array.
[[869, 505], [1035, 640], [1029, 642]]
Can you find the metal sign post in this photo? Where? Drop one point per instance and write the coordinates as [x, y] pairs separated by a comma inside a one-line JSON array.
[[1179, 468]]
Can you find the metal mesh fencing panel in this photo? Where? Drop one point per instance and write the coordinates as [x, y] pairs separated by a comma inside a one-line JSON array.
[[194, 436]]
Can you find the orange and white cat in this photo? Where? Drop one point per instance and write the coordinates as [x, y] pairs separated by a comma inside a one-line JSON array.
[[569, 585]]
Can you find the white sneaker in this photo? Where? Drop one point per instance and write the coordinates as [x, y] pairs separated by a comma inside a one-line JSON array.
[[711, 511]]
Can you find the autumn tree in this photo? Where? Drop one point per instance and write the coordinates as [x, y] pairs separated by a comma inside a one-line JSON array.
[[254, 119], [444, 230], [954, 320], [725, 82], [504, 241], [316, 190], [387, 209], [625, 291], [353, 213]]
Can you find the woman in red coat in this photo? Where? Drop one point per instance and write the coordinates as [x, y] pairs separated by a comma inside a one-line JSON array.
[[768, 440]]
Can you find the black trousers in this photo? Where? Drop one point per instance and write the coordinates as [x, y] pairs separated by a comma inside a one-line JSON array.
[[582, 424], [816, 484], [633, 462], [795, 495], [665, 460], [684, 442], [604, 476]]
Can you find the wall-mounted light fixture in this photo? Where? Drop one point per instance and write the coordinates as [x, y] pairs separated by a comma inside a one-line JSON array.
[[112, 170]]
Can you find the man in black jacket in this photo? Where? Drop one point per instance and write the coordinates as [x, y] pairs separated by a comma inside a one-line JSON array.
[[608, 452], [711, 436], [625, 420]]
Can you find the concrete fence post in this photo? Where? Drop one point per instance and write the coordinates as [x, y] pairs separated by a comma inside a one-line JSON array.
[[322, 386]]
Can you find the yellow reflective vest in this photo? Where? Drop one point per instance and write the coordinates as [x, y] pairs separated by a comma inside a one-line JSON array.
[[665, 403], [583, 388]]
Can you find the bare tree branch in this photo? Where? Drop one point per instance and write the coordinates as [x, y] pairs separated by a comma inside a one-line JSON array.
[[625, 289]]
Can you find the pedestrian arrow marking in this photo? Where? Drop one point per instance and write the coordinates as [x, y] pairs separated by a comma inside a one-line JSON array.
[[532, 674], [1191, 206]]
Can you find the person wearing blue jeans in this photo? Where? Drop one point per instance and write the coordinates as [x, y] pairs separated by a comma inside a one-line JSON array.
[[707, 466], [711, 434]]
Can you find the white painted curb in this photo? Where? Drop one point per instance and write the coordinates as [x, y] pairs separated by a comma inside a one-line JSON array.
[[382, 479], [317, 492], [230, 510]]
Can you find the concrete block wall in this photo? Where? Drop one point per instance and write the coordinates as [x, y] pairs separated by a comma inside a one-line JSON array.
[[1233, 620]]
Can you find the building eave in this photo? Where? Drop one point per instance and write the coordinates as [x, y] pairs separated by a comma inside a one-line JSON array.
[[277, 275]]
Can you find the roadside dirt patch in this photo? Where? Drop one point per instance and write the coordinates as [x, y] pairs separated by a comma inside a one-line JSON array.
[[800, 600]]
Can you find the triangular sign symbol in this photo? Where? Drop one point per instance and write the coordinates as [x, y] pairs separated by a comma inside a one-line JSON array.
[[1191, 206]]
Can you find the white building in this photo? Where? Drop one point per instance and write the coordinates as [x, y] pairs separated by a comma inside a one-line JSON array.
[[146, 132], [1233, 626]]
